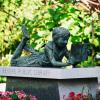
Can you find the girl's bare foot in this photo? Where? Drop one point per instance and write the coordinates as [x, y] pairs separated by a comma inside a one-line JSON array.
[[25, 33]]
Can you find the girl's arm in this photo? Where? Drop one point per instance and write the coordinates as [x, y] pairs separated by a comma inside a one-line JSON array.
[[68, 56], [53, 61], [57, 63]]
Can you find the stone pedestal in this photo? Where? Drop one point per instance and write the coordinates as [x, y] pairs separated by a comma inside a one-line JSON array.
[[51, 84], [51, 89]]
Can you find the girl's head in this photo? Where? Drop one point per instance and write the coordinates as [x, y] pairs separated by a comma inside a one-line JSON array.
[[60, 36]]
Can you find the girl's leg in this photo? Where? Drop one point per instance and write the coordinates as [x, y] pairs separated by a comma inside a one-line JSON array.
[[20, 48]]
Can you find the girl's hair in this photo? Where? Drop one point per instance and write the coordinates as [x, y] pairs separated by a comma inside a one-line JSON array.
[[60, 31]]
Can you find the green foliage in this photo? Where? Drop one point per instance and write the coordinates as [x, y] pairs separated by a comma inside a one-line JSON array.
[[2, 79], [14, 97], [41, 17]]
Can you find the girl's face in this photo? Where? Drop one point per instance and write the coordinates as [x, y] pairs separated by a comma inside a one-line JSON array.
[[62, 41]]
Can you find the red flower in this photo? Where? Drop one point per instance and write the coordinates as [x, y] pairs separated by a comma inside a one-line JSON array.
[[4, 98], [69, 98], [8, 93], [76, 98], [85, 97], [71, 94], [21, 96], [66, 98], [32, 97], [79, 94], [9, 99]]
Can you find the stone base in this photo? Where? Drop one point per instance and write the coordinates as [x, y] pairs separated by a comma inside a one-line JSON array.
[[51, 89], [43, 89]]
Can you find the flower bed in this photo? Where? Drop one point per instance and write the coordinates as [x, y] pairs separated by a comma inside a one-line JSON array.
[[20, 95], [82, 96], [16, 95]]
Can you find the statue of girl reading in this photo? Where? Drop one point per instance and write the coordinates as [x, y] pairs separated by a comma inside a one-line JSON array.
[[53, 53]]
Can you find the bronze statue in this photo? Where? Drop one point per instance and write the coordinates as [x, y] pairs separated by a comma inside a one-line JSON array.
[[53, 53]]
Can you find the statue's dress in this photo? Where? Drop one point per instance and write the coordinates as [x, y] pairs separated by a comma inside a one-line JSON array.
[[39, 59]]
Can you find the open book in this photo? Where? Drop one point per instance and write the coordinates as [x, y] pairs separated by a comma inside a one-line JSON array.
[[79, 52]]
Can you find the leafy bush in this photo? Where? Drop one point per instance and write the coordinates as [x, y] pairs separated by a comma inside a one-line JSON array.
[[40, 17], [2, 79]]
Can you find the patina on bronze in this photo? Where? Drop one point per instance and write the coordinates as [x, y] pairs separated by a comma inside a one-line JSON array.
[[54, 51]]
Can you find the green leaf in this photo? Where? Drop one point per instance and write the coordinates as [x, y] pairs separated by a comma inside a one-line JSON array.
[[98, 29], [75, 39], [50, 25], [62, 1], [96, 42], [72, 10], [63, 16], [52, 12], [27, 97], [35, 36], [14, 97]]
